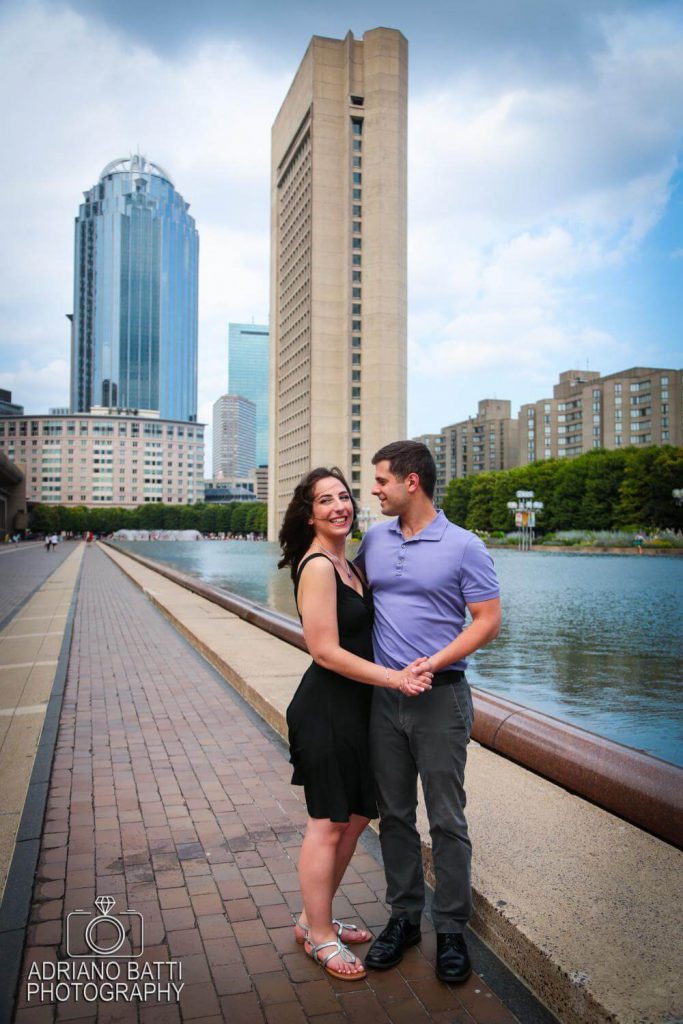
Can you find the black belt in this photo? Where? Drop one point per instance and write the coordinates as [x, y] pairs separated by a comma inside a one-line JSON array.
[[448, 677]]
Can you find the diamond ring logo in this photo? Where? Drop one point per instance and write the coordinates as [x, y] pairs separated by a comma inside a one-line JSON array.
[[104, 934]]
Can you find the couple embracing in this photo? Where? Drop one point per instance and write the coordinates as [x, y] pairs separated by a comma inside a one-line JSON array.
[[385, 700]]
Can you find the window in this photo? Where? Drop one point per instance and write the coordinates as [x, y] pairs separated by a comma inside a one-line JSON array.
[[355, 424], [357, 101], [355, 375], [355, 293], [356, 309], [663, 381], [356, 225], [355, 442], [357, 178], [355, 325], [355, 210], [357, 161], [355, 460], [355, 392], [357, 122], [356, 243], [355, 476], [355, 342], [356, 193], [355, 358], [357, 145], [355, 259], [356, 275], [355, 410], [530, 413]]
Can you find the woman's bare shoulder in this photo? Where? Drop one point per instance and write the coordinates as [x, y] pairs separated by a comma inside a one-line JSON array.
[[316, 566]]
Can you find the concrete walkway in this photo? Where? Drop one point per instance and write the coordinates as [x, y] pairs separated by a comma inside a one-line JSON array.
[[168, 795], [581, 904], [29, 649], [23, 568]]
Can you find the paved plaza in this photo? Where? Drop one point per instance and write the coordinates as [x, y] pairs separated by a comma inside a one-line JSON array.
[[170, 796], [23, 568]]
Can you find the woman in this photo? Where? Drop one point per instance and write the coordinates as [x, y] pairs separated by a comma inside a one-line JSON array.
[[329, 715]]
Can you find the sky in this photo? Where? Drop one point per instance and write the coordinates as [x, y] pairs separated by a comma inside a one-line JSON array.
[[545, 211]]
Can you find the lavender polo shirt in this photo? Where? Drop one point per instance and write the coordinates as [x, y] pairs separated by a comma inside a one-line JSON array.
[[421, 586]]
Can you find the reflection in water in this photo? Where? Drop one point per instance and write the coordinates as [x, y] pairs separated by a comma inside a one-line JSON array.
[[594, 640]]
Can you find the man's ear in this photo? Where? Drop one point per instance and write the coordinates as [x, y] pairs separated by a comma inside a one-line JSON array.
[[412, 482]]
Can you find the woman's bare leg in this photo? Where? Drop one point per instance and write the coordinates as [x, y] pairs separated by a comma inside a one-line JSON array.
[[317, 873], [346, 845]]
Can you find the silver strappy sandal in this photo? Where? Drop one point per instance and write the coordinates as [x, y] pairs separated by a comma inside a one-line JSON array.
[[340, 926], [338, 949]]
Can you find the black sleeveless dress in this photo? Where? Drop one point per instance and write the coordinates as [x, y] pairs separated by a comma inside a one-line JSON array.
[[329, 719]]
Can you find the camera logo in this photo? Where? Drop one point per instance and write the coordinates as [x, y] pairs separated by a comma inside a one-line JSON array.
[[120, 935]]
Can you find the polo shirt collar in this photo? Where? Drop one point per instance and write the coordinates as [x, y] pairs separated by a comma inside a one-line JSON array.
[[433, 531]]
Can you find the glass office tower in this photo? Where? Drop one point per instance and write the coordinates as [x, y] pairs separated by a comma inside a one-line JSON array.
[[134, 339], [248, 376]]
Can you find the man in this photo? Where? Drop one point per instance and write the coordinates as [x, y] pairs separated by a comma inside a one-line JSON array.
[[424, 572]]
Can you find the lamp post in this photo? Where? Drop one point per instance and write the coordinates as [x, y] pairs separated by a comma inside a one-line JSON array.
[[365, 519], [525, 510]]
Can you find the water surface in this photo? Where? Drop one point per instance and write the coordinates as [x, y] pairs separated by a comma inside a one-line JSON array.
[[594, 640]]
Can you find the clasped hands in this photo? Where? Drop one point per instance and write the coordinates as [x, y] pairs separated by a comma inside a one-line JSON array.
[[415, 678]]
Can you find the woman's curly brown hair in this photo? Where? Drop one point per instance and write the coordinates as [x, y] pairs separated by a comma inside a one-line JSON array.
[[296, 533]]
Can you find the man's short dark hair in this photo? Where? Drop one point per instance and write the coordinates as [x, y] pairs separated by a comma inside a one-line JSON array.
[[406, 457]]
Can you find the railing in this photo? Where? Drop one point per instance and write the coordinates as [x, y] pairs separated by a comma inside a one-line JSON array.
[[637, 787]]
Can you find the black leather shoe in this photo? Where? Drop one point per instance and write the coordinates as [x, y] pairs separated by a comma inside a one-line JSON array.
[[387, 949], [452, 959]]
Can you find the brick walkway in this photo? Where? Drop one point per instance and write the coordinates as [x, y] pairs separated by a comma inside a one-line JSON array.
[[168, 796], [24, 567]]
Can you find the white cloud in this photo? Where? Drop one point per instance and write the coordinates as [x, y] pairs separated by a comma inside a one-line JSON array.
[[81, 97], [520, 187], [518, 195], [43, 383]]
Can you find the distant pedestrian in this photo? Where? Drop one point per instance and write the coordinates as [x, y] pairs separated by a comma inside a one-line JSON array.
[[48, 542], [54, 540]]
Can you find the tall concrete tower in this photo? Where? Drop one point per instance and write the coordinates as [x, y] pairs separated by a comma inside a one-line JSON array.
[[338, 263]]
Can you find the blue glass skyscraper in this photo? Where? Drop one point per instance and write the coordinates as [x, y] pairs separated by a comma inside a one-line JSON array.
[[134, 341], [248, 376]]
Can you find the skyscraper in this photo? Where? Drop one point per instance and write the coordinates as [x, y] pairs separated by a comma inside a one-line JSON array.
[[134, 339], [338, 263], [248, 376], [234, 436]]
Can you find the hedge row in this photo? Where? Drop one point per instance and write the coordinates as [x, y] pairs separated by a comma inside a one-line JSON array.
[[235, 517], [600, 490]]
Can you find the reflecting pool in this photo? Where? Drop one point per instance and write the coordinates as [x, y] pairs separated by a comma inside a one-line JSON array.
[[592, 639]]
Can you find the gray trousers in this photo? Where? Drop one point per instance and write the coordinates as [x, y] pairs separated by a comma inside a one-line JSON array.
[[426, 735]]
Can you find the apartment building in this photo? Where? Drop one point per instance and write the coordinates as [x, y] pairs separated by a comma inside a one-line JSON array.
[[638, 406], [483, 442], [437, 446], [107, 457]]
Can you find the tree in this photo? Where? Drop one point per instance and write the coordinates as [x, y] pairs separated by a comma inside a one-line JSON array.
[[457, 499], [239, 517], [480, 508]]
